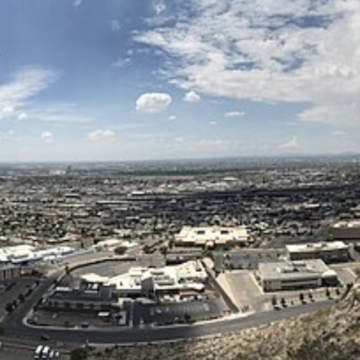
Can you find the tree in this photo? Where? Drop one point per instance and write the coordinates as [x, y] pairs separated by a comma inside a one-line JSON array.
[[9, 308], [310, 295], [79, 354], [274, 301], [147, 249], [327, 292], [283, 302], [120, 250], [301, 297], [187, 317]]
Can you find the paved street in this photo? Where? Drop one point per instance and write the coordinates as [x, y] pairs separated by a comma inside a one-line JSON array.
[[116, 335]]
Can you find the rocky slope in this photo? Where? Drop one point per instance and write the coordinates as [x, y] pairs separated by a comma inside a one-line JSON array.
[[331, 334]]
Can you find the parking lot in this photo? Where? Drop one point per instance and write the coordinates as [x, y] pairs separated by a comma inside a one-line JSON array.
[[178, 312], [16, 352], [10, 291], [242, 288], [245, 259], [107, 268]]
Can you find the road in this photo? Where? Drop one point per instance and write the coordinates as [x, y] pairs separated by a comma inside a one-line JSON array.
[[14, 325], [17, 328]]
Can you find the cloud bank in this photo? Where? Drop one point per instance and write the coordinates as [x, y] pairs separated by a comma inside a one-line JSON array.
[[299, 51]]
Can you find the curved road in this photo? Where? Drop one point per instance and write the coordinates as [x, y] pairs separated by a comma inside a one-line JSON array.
[[14, 324]]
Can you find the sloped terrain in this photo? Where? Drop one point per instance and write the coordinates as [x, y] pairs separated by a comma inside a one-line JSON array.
[[331, 334]]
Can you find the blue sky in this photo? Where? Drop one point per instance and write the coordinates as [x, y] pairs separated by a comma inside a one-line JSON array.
[[153, 79]]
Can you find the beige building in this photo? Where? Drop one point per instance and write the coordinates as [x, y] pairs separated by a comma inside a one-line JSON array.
[[334, 251], [348, 231], [212, 236], [295, 275]]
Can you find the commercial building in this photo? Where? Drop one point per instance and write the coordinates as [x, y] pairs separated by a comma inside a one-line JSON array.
[[348, 231], [155, 282], [334, 251], [295, 275], [212, 236], [26, 254], [87, 297], [100, 293]]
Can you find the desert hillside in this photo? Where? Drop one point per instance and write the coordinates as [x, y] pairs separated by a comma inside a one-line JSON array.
[[331, 334]]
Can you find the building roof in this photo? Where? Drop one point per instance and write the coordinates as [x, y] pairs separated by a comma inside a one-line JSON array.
[[183, 276], [213, 235], [314, 247], [348, 224], [294, 270]]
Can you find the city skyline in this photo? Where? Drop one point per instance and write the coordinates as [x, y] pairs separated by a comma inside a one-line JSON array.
[[128, 80]]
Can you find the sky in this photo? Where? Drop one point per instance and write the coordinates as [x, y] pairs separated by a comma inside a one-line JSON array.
[[114, 80]]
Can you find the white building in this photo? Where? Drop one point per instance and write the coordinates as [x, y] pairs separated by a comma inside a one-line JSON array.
[[212, 236], [295, 275], [24, 254], [334, 251], [348, 231], [140, 281]]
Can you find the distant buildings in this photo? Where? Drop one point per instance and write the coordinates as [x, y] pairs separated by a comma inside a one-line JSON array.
[[295, 275], [212, 236], [26, 254], [335, 251]]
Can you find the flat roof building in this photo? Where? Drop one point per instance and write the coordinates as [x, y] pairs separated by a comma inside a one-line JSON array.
[[142, 281], [334, 251], [348, 231], [212, 236], [295, 275]]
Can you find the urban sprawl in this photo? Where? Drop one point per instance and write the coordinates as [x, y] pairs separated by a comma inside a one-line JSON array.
[[145, 252]]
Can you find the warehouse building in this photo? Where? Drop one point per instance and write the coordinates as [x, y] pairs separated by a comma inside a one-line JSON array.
[[212, 236], [295, 275], [329, 252]]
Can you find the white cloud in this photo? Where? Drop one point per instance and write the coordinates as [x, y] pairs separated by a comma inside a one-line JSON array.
[[102, 135], [7, 110], [159, 6], [22, 116], [58, 112], [22, 87], [302, 51], [234, 113], [192, 97], [179, 139], [153, 102], [293, 143], [115, 24], [122, 63], [172, 117], [213, 123], [47, 136], [338, 133], [77, 3]]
